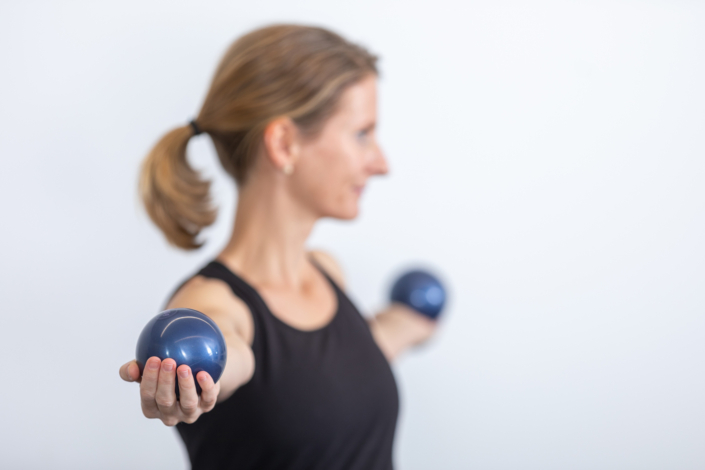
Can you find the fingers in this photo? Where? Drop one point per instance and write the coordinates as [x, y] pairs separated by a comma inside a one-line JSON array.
[[209, 391], [157, 394], [165, 397], [148, 387], [188, 398]]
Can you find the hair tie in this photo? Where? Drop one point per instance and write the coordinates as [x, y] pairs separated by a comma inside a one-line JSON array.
[[194, 126]]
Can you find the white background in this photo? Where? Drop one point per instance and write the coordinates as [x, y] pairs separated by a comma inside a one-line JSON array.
[[547, 158]]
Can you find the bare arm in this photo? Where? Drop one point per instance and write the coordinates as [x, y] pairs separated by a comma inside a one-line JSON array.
[[396, 328], [214, 298]]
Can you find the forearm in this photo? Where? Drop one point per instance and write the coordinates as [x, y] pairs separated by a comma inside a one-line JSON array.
[[398, 328], [239, 368]]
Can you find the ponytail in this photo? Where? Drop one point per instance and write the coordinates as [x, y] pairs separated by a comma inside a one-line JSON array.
[[176, 198]]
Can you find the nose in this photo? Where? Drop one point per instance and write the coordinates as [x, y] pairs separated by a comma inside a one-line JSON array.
[[379, 165]]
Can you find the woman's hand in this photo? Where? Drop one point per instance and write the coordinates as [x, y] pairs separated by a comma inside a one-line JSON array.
[[157, 390]]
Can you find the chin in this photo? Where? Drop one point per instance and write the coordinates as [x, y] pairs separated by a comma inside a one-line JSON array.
[[351, 216], [347, 213]]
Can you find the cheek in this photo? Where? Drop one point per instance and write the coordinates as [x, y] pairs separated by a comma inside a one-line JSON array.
[[333, 166], [328, 179]]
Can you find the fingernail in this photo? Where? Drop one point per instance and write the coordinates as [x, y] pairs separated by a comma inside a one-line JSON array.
[[168, 366], [183, 373], [154, 365]]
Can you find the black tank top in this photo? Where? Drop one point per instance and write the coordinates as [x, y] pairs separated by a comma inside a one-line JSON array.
[[323, 399]]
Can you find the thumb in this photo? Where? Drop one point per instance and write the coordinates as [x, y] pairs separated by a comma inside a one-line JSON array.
[[130, 372]]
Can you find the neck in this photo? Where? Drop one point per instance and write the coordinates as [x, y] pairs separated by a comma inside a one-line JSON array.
[[269, 236]]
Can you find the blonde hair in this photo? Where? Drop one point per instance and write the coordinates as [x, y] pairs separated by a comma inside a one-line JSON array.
[[278, 70]]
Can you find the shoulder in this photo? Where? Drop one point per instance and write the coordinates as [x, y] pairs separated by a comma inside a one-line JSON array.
[[214, 298], [329, 265]]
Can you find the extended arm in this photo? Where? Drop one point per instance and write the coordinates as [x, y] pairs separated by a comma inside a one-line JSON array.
[[398, 328], [214, 298]]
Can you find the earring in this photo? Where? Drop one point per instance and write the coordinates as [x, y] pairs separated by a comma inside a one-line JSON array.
[[288, 169]]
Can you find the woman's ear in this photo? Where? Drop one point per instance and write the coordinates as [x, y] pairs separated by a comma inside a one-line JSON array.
[[281, 142]]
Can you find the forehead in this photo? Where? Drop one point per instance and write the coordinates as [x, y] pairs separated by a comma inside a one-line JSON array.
[[358, 103]]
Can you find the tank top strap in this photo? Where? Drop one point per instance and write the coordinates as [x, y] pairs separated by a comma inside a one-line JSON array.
[[244, 291], [322, 270], [217, 270]]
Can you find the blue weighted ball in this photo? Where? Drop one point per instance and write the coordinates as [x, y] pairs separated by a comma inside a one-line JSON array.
[[187, 336], [421, 291]]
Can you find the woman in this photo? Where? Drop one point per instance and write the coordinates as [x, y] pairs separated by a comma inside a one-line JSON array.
[[291, 111]]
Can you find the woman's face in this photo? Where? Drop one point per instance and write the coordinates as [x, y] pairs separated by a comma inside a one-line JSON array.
[[332, 170]]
